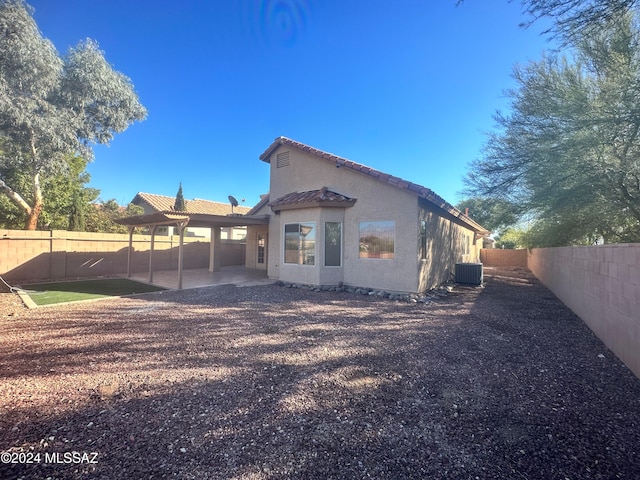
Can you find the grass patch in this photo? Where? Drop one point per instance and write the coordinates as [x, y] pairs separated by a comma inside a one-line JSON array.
[[60, 292]]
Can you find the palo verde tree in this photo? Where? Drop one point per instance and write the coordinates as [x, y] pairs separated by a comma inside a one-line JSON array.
[[568, 152], [572, 19], [53, 106], [492, 213]]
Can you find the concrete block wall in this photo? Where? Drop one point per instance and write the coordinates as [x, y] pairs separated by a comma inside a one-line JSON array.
[[493, 257], [601, 284]]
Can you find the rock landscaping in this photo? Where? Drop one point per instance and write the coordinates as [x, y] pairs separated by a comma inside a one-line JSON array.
[[426, 297], [270, 382]]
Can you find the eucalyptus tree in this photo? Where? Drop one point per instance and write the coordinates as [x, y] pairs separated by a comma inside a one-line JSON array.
[[53, 106], [568, 151]]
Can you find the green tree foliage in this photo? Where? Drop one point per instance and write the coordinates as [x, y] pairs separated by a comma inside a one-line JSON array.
[[494, 214], [180, 205], [58, 192], [64, 190], [568, 153], [512, 237], [100, 217], [52, 107], [76, 217], [573, 19]]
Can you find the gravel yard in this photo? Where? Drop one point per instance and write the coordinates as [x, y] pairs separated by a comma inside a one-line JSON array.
[[268, 382]]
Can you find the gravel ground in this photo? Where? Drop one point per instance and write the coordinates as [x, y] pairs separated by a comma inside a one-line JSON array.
[[268, 382]]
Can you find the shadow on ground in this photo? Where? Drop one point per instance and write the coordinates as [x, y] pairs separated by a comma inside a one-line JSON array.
[[268, 382]]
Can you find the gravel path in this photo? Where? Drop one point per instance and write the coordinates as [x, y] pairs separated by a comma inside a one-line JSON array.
[[269, 382]]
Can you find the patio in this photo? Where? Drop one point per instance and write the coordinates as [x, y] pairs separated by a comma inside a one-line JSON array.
[[202, 277]]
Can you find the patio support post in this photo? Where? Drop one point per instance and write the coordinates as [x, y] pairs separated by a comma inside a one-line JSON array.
[[181, 228], [214, 251], [131, 228], [153, 238]]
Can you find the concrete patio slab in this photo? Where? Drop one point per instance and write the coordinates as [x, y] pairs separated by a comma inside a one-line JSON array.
[[202, 277]]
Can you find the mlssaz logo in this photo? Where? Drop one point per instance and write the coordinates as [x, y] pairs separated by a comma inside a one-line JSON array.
[[71, 457]]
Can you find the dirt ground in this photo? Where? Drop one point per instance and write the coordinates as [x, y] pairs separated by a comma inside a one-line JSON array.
[[268, 382]]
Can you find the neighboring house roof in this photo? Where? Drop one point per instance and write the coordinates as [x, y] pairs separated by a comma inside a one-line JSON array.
[[163, 203], [419, 190], [313, 198]]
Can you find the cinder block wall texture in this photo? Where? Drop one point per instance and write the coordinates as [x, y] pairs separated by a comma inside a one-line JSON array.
[[601, 284], [30, 256], [493, 257]]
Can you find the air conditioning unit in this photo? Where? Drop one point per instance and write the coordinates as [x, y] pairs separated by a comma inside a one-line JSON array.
[[469, 273]]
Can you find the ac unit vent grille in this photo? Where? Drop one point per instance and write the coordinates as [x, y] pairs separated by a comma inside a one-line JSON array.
[[469, 273]]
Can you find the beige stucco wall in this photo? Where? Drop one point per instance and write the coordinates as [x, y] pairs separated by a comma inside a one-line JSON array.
[[444, 249], [601, 284], [376, 201]]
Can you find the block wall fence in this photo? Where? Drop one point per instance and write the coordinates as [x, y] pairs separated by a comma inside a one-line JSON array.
[[601, 284], [503, 258], [32, 256]]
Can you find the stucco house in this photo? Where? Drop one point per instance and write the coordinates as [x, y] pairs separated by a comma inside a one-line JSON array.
[[153, 203], [335, 221]]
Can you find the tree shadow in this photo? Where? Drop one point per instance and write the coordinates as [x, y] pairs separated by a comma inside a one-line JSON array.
[[268, 382]]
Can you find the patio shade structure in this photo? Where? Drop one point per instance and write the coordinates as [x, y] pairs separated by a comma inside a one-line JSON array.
[[181, 220]]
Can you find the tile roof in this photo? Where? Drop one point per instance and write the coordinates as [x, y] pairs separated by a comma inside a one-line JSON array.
[[264, 199], [419, 190], [312, 198], [163, 203]]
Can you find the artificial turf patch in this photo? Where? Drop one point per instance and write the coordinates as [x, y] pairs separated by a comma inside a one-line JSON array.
[[61, 292]]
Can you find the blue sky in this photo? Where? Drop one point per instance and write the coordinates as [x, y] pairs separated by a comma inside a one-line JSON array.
[[407, 87]]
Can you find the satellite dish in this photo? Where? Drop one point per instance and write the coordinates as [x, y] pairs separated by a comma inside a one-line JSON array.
[[233, 202]]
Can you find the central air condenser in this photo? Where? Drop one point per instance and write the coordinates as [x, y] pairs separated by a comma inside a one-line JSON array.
[[469, 273]]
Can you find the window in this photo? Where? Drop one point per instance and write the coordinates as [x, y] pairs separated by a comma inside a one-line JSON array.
[[261, 244], [423, 239], [300, 243], [377, 239], [332, 244], [465, 244]]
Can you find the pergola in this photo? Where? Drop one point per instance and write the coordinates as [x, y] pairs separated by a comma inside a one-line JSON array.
[[181, 220]]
